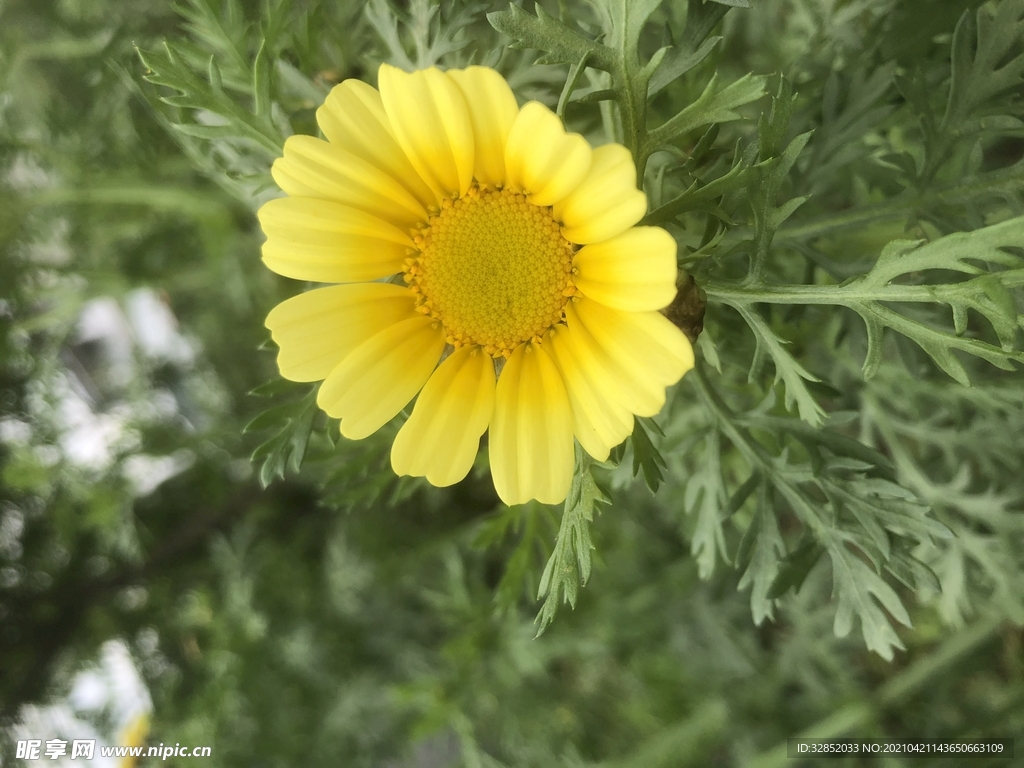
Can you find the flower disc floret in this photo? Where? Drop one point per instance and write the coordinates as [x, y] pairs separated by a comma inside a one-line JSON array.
[[494, 269]]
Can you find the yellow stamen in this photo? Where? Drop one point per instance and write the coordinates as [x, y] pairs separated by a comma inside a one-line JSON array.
[[494, 269]]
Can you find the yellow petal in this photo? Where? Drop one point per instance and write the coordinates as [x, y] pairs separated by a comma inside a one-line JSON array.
[[380, 376], [353, 119], [615, 384], [314, 168], [643, 352], [431, 122], [606, 202], [317, 329], [441, 438], [531, 445], [598, 422], [543, 160], [326, 242], [635, 271], [492, 110]]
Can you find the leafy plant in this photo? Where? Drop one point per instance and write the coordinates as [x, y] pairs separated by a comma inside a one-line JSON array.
[[835, 486]]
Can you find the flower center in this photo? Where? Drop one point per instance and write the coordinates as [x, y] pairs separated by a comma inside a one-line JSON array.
[[494, 269]]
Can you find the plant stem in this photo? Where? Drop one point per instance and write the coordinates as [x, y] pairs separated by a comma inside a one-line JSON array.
[[736, 294]]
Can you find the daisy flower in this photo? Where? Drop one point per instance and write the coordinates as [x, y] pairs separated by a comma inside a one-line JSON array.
[[482, 260]]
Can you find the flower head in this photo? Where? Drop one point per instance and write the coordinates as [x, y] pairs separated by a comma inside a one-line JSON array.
[[485, 260]]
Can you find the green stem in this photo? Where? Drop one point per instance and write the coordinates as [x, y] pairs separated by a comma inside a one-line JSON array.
[[738, 294]]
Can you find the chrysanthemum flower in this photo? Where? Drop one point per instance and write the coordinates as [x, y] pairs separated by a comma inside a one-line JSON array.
[[483, 258]]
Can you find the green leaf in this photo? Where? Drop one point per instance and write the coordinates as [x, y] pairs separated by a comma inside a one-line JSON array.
[[625, 20], [645, 455], [570, 563], [881, 507], [704, 498], [678, 62], [857, 586], [989, 294], [953, 252], [222, 28], [293, 425], [793, 375], [701, 19], [739, 498], [433, 34], [270, 417], [984, 73], [702, 196], [793, 570], [274, 387], [560, 44], [860, 513], [167, 68], [357, 474], [714, 105], [759, 558]]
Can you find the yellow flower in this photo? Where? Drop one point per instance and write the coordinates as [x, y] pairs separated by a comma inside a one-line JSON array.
[[485, 259]]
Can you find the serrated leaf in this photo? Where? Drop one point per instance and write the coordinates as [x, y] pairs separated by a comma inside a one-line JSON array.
[[221, 29], [625, 20], [704, 498], [301, 429], [678, 62], [431, 34], [913, 573], [980, 74], [873, 295], [759, 557], [956, 252], [857, 587], [885, 511], [646, 456], [569, 565], [699, 195], [840, 141], [286, 449], [714, 105], [271, 417], [701, 19], [544, 33], [168, 68], [793, 375]]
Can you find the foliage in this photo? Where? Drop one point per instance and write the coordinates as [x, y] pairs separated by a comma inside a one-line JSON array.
[[845, 181], [569, 565]]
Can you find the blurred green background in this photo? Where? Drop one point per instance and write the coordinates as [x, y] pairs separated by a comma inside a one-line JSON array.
[[341, 617]]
